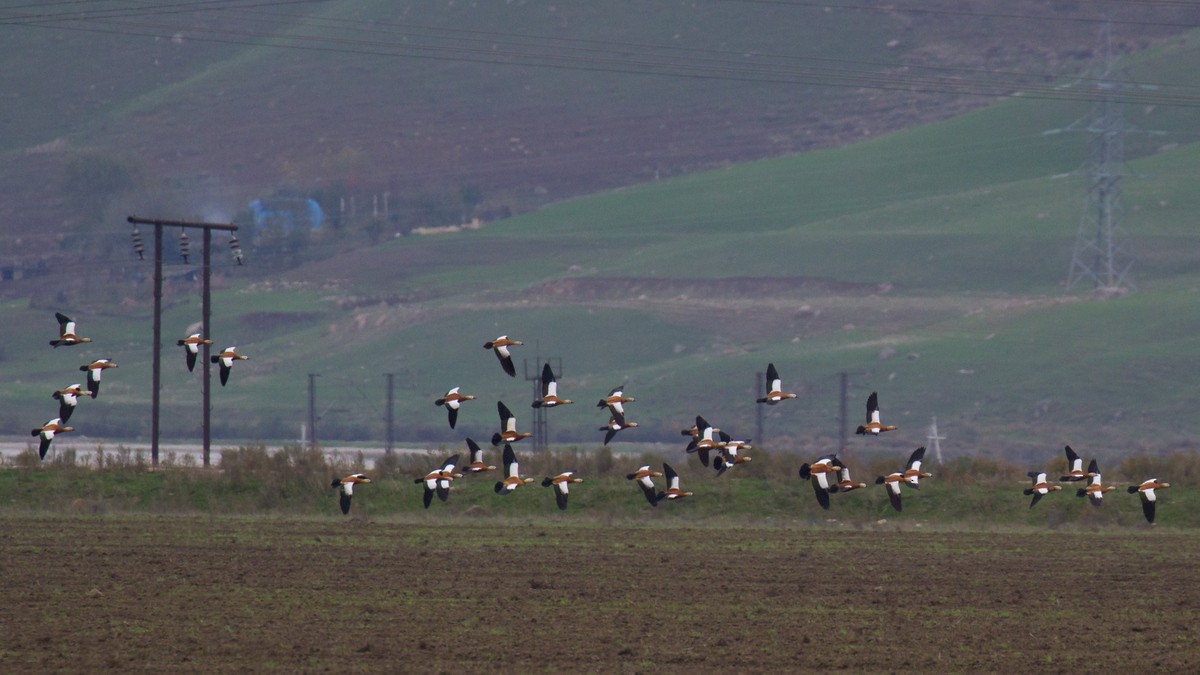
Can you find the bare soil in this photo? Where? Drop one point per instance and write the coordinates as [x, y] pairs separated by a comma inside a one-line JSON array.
[[202, 593]]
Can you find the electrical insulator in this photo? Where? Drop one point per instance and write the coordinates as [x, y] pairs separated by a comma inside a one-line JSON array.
[[184, 246], [236, 248], [138, 247]]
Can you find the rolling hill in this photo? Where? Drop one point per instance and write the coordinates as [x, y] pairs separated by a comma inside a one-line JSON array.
[[926, 263]]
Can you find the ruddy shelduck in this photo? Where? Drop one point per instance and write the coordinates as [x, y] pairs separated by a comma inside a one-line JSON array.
[[477, 464], [67, 399], [912, 471], [508, 427], [512, 473], [673, 490], [226, 358], [191, 348], [346, 488], [1075, 470], [891, 483], [1149, 498], [500, 346], [873, 426], [822, 474], [95, 371], [644, 477], [1040, 487], [66, 333], [703, 443], [1096, 488], [845, 484], [774, 388], [730, 454], [561, 484], [47, 432], [550, 397], [616, 423], [616, 400], [438, 480], [453, 399]]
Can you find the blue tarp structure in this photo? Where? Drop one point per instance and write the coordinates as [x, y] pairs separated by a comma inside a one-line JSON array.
[[287, 213]]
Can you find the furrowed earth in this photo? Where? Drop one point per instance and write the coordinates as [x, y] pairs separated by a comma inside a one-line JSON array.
[[158, 592]]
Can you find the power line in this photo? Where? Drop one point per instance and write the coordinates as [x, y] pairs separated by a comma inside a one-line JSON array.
[[625, 62]]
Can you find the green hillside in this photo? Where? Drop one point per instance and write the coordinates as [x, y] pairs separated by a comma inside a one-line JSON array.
[[928, 263]]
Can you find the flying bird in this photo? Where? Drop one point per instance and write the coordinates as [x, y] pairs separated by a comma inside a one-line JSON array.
[[644, 477], [453, 400], [67, 400], [191, 347], [673, 491], [226, 359], [615, 400], [550, 397], [703, 442], [561, 484], [891, 483], [346, 488], [1096, 487], [844, 483], [1146, 491], [512, 473], [500, 346], [1040, 487], [873, 426], [912, 471], [730, 453], [438, 481], [94, 371], [477, 464], [616, 423], [821, 474], [47, 432], [774, 388], [66, 333], [1074, 467], [508, 427]]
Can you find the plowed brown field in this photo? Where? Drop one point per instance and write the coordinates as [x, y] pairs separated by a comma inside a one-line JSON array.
[[200, 593]]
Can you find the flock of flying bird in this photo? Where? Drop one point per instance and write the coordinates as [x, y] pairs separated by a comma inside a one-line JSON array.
[[828, 474], [69, 397]]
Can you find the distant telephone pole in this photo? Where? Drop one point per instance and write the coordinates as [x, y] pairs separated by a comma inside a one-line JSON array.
[[312, 410], [843, 420], [388, 438], [761, 436]]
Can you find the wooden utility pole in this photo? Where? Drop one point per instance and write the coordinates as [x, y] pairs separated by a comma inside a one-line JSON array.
[[156, 368]]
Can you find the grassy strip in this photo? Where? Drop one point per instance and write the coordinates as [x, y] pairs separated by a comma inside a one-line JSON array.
[[970, 492]]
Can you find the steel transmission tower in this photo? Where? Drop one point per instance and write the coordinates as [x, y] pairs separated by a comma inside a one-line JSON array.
[[1101, 254]]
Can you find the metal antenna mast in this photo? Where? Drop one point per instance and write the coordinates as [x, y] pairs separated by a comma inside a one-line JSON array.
[[541, 428], [1101, 254]]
